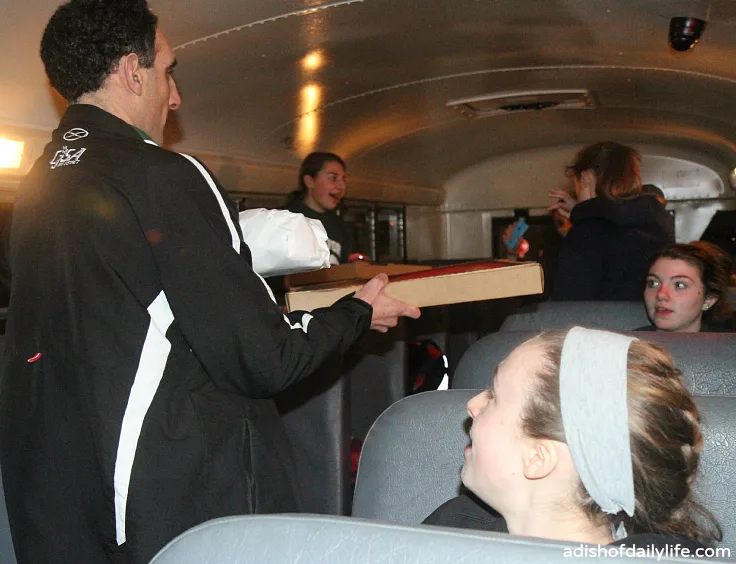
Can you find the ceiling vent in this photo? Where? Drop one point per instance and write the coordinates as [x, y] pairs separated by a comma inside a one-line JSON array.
[[526, 101]]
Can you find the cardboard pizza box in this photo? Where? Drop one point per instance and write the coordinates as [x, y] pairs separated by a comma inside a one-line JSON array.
[[467, 282], [358, 270]]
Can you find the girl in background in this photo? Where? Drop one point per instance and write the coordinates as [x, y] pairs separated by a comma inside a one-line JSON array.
[[321, 189], [686, 289], [615, 227]]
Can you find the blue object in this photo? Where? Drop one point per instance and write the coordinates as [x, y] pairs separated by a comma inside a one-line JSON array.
[[517, 233]]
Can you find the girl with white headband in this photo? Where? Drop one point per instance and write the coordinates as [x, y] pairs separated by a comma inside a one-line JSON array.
[[584, 436]]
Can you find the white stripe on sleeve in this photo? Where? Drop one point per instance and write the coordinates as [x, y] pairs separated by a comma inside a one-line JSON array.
[[154, 355]]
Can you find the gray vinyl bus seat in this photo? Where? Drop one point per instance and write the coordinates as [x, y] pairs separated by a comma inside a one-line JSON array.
[[411, 459], [7, 552], [341, 401], [540, 316], [707, 360], [292, 539], [376, 368], [316, 416]]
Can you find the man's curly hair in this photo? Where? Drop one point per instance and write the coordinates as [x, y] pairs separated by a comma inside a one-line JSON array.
[[85, 39]]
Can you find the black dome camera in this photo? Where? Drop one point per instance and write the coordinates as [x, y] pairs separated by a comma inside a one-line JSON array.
[[685, 32]]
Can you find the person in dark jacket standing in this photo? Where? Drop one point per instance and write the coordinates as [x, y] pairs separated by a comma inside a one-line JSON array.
[[142, 351], [615, 227]]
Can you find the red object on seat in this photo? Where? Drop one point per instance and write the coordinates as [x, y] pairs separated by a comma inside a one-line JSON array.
[[356, 445]]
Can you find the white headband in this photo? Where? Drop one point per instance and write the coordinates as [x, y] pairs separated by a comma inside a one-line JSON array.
[[593, 378]]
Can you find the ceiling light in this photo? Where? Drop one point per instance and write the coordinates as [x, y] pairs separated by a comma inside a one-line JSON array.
[[308, 124], [312, 61], [11, 153], [310, 97]]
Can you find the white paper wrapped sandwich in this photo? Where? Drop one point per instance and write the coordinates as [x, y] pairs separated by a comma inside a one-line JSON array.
[[283, 242]]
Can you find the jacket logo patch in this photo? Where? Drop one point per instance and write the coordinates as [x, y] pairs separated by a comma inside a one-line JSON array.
[[66, 156], [75, 134]]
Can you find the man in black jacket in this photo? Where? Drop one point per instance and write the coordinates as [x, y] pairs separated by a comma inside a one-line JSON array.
[[142, 351]]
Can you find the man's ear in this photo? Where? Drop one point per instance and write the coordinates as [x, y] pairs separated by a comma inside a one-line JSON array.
[[130, 71], [541, 459]]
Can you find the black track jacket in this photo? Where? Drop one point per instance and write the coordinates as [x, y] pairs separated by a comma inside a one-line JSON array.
[[141, 353], [605, 255]]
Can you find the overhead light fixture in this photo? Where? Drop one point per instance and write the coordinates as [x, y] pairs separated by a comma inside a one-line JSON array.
[[11, 153], [308, 127], [313, 61], [310, 97]]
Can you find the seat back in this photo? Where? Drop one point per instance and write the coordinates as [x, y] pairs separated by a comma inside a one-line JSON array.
[[715, 486], [376, 368], [412, 458], [7, 553], [341, 401], [316, 416], [286, 539], [707, 360], [541, 316], [476, 367]]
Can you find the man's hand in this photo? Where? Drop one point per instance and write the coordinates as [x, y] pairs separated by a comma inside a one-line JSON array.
[[386, 310]]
